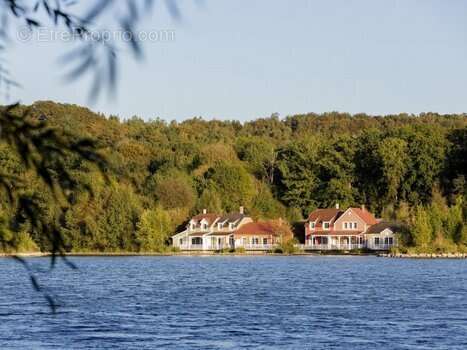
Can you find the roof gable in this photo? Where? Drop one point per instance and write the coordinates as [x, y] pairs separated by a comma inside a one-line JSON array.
[[365, 215]]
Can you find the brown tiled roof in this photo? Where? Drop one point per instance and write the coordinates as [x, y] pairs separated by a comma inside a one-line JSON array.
[[379, 227], [232, 217], [324, 214], [365, 215], [210, 218]]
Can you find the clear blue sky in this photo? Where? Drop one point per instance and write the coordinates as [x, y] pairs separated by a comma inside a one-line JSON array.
[[248, 59]]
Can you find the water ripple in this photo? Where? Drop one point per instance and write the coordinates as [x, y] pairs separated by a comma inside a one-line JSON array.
[[238, 303]]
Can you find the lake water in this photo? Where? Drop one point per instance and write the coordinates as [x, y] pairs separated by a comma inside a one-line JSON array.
[[221, 302]]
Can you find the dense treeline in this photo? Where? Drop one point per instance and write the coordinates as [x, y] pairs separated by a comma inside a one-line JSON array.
[[404, 167]]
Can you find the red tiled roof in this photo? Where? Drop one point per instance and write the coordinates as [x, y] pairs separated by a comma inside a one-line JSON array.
[[263, 228], [365, 215], [257, 228], [324, 214]]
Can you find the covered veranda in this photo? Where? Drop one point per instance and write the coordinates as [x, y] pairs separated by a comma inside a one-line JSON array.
[[334, 242]]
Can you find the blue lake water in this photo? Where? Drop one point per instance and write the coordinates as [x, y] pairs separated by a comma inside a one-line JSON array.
[[221, 302]]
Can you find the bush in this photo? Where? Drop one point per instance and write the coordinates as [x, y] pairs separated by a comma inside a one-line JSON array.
[[287, 247], [443, 245], [25, 244], [278, 250], [175, 249], [398, 250]]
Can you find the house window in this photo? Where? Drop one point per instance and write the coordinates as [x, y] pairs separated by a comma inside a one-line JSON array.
[[196, 240], [205, 226], [345, 225], [390, 240], [312, 225], [265, 241], [180, 241], [354, 225], [254, 240], [231, 226], [326, 225], [376, 240], [219, 226]]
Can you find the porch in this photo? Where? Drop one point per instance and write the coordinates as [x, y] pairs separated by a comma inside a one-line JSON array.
[[334, 242], [381, 243], [208, 241]]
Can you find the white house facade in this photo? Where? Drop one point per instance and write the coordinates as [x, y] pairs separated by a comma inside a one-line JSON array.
[[211, 232]]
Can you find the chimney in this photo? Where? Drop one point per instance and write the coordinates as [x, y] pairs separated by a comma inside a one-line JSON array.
[[337, 205], [363, 207], [205, 211], [241, 210]]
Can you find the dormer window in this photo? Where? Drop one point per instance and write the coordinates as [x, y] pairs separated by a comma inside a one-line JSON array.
[[312, 225], [219, 226], [231, 226], [204, 226], [326, 225]]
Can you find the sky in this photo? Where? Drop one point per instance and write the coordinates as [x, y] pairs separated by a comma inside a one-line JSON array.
[[247, 59]]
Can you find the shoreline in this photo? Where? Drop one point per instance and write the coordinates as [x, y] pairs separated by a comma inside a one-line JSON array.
[[253, 253], [425, 256]]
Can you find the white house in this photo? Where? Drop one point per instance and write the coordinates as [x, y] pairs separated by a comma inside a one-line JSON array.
[[208, 231], [382, 236]]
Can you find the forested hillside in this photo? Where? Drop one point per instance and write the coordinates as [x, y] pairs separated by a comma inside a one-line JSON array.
[[405, 167]]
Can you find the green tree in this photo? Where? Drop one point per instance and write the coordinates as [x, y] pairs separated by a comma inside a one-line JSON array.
[[336, 171], [455, 223], [297, 180], [175, 192], [118, 220], [153, 230], [393, 154], [264, 205], [259, 154], [209, 200], [421, 228], [233, 184]]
